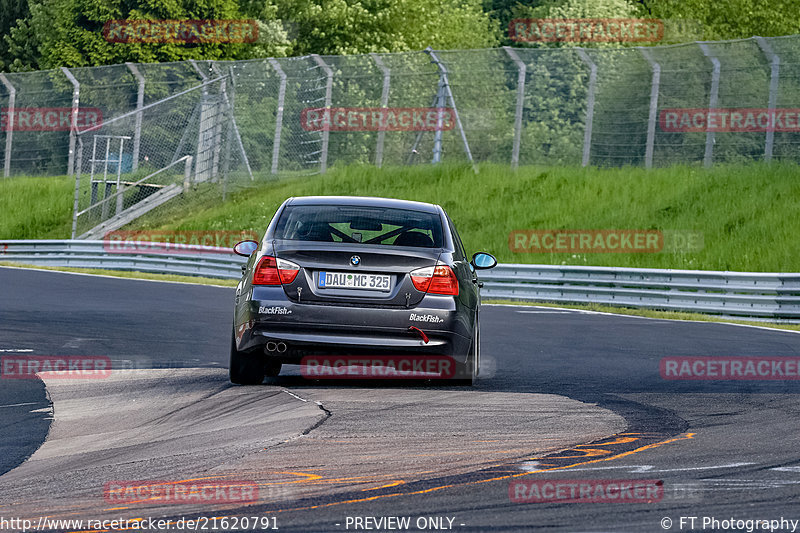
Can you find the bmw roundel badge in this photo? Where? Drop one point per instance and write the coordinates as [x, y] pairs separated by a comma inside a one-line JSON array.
[[355, 260]]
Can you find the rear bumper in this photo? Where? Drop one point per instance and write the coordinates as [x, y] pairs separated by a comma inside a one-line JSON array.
[[313, 329]]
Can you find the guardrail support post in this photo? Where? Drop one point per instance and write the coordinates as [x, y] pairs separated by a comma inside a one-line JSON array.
[[522, 72], [774, 77], [12, 97], [445, 85], [708, 158], [276, 142], [587, 132], [73, 126], [651, 119], [323, 158], [384, 104], [137, 131]]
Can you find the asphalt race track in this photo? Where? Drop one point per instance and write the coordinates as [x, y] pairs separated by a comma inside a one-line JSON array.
[[564, 395]]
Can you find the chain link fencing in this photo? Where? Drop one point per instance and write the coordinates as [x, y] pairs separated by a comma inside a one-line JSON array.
[[242, 121]]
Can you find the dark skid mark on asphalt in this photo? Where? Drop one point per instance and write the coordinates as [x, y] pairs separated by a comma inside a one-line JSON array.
[[22, 431]]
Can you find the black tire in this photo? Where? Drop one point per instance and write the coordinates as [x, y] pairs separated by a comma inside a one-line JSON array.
[[244, 369], [467, 372], [272, 368]]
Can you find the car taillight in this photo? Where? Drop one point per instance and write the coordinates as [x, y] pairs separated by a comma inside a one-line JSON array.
[[271, 271], [438, 279]]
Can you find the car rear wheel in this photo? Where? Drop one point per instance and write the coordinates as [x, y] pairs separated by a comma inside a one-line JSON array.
[[244, 369], [272, 368], [467, 372]]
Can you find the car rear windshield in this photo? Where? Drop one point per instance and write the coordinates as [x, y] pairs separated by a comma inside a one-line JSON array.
[[360, 225]]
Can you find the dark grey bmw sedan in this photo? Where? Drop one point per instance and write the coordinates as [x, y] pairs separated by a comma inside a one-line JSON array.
[[358, 277]]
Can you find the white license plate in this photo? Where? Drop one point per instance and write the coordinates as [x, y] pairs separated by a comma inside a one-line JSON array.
[[350, 280]]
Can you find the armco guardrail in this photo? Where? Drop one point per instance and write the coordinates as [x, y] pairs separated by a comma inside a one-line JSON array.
[[759, 294], [754, 294], [185, 260]]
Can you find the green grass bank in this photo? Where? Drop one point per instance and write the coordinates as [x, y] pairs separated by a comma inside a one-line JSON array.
[[748, 215]]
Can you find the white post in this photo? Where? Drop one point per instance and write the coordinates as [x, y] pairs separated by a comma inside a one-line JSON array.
[[587, 132], [73, 126], [276, 142], [323, 160], [708, 158], [774, 76], [446, 85], [651, 119], [137, 132], [384, 104], [522, 71], [12, 96]]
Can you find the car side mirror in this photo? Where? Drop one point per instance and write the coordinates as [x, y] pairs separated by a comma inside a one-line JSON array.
[[482, 260], [245, 248]]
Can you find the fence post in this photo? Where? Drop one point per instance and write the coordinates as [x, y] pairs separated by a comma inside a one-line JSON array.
[[187, 173], [384, 104], [651, 119], [203, 75], [230, 104], [439, 102], [77, 186], [522, 69], [137, 132], [200, 132], [708, 158], [445, 84], [226, 161], [12, 97], [276, 142], [73, 126], [587, 133], [323, 160], [774, 76]]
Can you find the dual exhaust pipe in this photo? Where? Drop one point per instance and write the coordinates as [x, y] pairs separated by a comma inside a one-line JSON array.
[[272, 347]]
